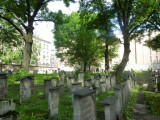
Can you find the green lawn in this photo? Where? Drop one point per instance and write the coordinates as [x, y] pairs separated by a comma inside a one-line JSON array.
[[37, 109]]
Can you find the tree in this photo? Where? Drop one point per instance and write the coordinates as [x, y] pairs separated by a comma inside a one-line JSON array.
[[76, 44], [131, 14], [21, 14], [103, 22], [13, 54]]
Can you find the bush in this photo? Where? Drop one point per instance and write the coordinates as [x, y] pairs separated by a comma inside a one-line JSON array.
[[20, 73]]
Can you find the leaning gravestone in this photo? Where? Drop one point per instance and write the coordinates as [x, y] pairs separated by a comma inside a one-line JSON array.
[[25, 88], [53, 101], [3, 85], [110, 107], [84, 104], [81, 78]]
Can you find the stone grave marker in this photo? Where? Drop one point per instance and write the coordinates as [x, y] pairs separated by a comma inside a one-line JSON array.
[[103, 78], [3, 86], [119, 102], [102, 87], [61, 89], [126, 75], [25, 88], [53, 82], [113, 81], [110, 107], [53, 101], [70, 82], [108, 82], [81, 78], [92, 78], [61, 77], [32, 83], [14, 71], [84, 104], [47, 85], [88, 82]]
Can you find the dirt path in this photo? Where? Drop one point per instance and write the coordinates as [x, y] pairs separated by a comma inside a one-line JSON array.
[[140, 110]]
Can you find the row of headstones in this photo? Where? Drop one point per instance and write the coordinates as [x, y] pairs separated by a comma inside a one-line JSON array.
[[84, 101], [6, 105]]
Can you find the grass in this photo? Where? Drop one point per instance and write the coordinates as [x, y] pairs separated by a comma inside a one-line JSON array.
[[127, 112], [153, 101], [37, 108]]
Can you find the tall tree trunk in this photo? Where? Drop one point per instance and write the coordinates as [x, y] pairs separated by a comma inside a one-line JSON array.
[[89, 66], [84, 66], [125, 59], [106, 58], [27, 50]]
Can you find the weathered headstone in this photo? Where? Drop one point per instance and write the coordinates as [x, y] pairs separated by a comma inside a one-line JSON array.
[[84, 104], [47, 85], [119, 103], [110, 107], [3, 86], [113, 81], [32, 83], [108, 82], [97, 83], [70, 82], [61, 77], [92, 78], [103, 78], [61, 89], [25, 88], [102, 87], [53, 101], [81, 78], [53, 82], [88, 82]]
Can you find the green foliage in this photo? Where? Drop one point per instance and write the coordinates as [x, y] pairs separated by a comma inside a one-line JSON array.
[[153, 102], [76, 44], [154, 43], [131, 104], [20, 73]]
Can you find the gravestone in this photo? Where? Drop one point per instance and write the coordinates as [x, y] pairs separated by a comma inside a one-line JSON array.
[[92, 78], [53, 101], [97, 83], [70, 82], [61, 89], [108, 82], [81, 78], [25, 88], [119, 102], [53, 82], [102, 87], [32, 83], [103, 78], [61, 77], [84, 104], [110, 107], [158, 82], [3, 86], [47, 85], [88, 82], [113, 81], [76, 86], [126, 75]]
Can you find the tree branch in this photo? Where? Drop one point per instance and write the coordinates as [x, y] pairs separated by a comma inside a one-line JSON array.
[[154, 25], [28, 9], [142, 22], [40, 20], [13, 24]]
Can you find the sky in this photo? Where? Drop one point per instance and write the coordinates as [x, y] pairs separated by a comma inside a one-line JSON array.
[[43, 29]]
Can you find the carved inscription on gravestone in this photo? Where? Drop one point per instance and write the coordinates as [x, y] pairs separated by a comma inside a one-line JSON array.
[[87, 108]]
